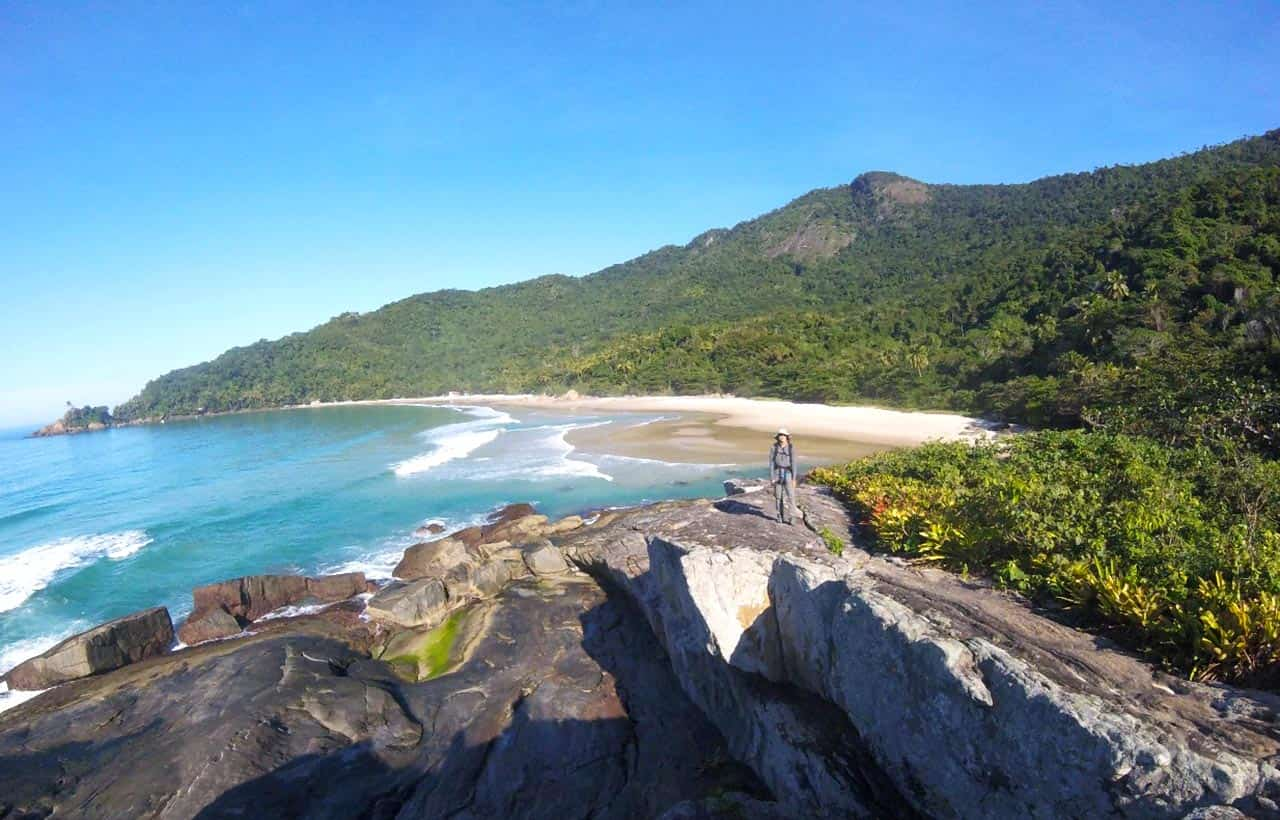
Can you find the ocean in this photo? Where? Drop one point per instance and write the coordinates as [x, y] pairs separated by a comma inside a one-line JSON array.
[[99, 525]]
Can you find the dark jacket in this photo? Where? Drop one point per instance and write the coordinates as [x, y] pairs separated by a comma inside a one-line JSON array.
[[780, 459]]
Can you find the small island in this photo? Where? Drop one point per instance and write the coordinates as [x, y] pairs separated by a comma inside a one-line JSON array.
[[79, 420]]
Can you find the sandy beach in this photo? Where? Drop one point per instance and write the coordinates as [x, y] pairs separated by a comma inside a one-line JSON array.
[[732, 430]]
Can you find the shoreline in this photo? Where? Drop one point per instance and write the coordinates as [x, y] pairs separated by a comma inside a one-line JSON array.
[[723, 429], [703, 428]]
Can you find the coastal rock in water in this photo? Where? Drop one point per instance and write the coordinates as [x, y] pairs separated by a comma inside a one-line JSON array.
[[101, 649], [328, 589], [742, 486], [431, 559], [434, 528], [417, 603], [510, 513], [543, 558], [207, 625], [251, 597]]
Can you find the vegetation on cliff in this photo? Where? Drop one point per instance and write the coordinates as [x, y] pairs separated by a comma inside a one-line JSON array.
[[79, 420], [1174, 551], [998, 298]]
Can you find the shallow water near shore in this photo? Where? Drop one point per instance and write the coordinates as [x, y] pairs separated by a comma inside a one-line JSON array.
[[96, 526]]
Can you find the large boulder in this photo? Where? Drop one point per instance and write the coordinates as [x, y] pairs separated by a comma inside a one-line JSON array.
[[251, 597], [207, 625], [431, 559], [567, 524], [742, 486], [101, 649], [543, 558], [510, 513], [518, 530], [418, 603], [433, 528], [330, 588]]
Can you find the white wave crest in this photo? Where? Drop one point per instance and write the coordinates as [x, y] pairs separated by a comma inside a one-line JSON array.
[[18, 651], [26, 573], [458, 445], [455, 441]]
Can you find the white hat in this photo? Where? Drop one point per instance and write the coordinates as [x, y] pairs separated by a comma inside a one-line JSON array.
[[782, 431]]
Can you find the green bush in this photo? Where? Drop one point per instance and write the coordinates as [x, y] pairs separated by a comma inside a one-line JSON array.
[[1175, 551]]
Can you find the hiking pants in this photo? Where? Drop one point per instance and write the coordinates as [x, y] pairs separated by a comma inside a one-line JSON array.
[[784, 494]]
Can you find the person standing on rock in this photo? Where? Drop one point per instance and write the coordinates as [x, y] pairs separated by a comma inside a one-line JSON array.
[[782, 473]]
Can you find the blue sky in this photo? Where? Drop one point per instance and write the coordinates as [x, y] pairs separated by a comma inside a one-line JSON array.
[[179, 178]]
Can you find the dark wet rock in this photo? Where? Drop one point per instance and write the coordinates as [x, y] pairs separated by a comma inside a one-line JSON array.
[[208, 625], [104, 648], [510, 513], [563, 708], [433, 528]]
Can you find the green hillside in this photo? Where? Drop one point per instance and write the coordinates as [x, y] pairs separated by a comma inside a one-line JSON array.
[[990, 298]]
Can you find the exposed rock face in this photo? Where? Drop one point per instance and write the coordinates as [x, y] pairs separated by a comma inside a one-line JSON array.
[[208, 625], [814, 240], [946, 700], [579, 716], [851, 686], [101, 649]]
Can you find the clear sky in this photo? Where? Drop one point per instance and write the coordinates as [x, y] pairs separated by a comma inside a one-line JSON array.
[[178, 178]]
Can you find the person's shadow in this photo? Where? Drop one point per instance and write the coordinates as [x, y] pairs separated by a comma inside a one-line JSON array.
[[732, 507]]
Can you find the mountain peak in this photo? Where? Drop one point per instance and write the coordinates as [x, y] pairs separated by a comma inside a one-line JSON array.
[[885, 188]]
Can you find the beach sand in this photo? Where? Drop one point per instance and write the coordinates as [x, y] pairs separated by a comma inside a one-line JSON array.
[[731, 430]]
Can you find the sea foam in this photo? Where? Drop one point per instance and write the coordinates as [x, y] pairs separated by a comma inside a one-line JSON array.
[[455, 441], [31, 570]]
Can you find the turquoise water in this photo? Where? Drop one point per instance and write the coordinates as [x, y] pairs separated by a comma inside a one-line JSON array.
[[99, 525]]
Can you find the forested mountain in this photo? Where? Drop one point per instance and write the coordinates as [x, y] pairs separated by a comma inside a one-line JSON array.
[[1052, 302]]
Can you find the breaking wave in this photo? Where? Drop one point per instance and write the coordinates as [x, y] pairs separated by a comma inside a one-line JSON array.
[[26, 573]]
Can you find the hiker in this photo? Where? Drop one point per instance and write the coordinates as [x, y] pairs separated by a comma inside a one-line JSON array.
[[782, 473]]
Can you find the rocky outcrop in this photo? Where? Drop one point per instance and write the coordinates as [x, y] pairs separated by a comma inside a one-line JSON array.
[[78, 420], [102, 649], [871, 687], [511, 685], [563, 707]]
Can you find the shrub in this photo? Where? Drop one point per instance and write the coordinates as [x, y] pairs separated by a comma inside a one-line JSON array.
[[1176, 552]]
